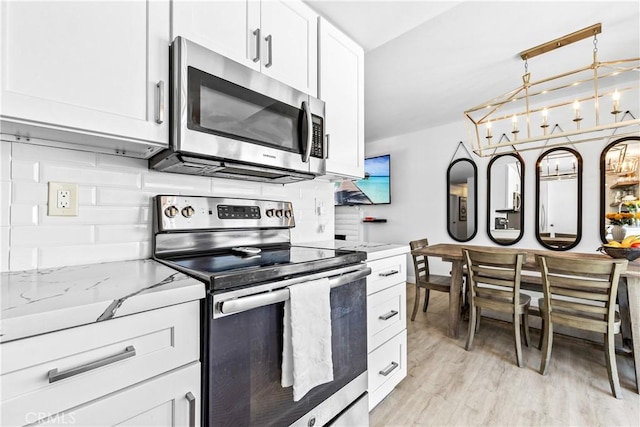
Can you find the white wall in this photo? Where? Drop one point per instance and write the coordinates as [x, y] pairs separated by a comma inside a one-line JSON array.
[[419, 164], [114, 221]]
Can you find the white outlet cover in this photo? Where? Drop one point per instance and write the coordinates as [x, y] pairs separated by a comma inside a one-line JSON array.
[[63, 199]]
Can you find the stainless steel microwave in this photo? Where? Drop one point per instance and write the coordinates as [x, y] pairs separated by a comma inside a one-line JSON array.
[[230, 121]]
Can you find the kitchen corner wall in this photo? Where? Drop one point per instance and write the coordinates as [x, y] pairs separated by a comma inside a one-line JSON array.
[[114, 218]]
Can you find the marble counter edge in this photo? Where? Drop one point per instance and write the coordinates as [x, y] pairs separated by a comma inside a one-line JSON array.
[[175, 288]]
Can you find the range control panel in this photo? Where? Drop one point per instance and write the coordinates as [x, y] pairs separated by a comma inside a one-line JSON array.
[[181, 213]]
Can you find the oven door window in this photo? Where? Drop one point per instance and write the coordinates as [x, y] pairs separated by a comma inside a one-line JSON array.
[[223, 108], [245, 359]]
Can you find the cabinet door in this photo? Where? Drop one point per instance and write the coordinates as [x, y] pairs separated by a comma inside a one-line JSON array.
[[172, 399], [226, 27], [342, 89], [87, 66], [289, 51]]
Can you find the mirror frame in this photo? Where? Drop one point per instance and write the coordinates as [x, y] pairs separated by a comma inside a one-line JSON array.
[[603, 171], [579, 207], [475, 193], [518, 157]]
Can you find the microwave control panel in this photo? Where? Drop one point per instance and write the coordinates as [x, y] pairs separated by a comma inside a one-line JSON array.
[[317, 146]]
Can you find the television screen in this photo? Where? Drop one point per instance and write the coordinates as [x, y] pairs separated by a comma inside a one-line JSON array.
[[373, 189]]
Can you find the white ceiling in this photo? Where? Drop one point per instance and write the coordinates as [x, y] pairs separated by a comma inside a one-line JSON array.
[[428, 61]]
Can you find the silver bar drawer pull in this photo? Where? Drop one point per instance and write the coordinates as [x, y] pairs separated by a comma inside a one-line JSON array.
[[192, 409], [386, 371], [257, 34], [160, 102], [388, 316], [388, 273], [54, 375]]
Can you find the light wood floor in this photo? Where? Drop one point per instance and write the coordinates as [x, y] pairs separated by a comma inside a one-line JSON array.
[[447, 386]]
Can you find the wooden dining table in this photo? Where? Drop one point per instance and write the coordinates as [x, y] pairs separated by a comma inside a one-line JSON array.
[[452, 252]]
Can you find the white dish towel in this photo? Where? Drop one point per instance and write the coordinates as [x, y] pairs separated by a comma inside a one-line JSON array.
[[306, 350]]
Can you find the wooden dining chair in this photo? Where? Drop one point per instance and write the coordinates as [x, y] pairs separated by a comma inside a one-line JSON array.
[[495, 285], [581, 294], [424, 279]]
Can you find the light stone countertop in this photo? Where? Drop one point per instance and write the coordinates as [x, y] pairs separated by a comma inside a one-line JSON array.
[[39, 301], [374, 250]]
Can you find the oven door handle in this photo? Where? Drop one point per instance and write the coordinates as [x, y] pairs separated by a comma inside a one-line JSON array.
[[254, 301]]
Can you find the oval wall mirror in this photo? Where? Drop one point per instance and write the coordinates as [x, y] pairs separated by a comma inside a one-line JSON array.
[[559, 199], [505, 199], [462, 212], [619, 178]]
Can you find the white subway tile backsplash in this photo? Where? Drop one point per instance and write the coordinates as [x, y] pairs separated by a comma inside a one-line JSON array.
[[123, 197], [87, 254], [89, 176], [4, 248], [86, 196], [169, 183], [97, 215], [52, 155], [5, 161], [24, 259], [123, 233], [109, 161], [25, 170], [5, 203], [24, 214], [29, 192], [229, 188], [114, 218], [51, 235]]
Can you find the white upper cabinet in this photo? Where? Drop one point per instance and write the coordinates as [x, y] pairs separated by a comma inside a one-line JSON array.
[[93, 73], [341, 87], [225, 27], [278, 38]]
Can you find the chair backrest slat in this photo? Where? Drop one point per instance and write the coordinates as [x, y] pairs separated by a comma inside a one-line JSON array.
[[601, 282], [581, 293], [420, 262], [586, 309], [488, 270]]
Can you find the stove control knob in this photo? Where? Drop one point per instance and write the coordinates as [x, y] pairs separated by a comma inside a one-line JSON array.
[[188, 212], [171, 211], [279, 213], [287, 213], [270, 213]]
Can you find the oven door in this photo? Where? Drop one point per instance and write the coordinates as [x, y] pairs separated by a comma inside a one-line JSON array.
[[227, 111], [243, 354]]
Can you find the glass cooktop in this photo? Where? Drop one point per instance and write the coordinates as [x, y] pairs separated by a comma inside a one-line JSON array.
[[231, 269]]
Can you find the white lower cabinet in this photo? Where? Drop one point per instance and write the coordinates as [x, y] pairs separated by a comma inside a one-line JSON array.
[[386, 326], [171, 399], [82, 375]]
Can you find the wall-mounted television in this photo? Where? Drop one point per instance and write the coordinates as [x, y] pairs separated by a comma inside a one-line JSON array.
[[373, 189]]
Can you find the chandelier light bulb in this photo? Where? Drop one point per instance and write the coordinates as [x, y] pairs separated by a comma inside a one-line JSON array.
[[616, 101], [545, 114], [489, 129], [514, 119], [576, 108]]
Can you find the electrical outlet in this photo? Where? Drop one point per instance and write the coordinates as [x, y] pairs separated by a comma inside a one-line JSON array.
[[63, 199]]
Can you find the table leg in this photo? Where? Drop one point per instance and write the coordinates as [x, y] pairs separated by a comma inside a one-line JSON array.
[[633, 291], [454, 298]]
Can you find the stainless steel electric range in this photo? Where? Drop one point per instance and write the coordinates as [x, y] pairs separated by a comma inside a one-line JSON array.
[[241, 249]]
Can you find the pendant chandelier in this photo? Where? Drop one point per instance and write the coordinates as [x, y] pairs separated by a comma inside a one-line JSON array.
[[585, 104]]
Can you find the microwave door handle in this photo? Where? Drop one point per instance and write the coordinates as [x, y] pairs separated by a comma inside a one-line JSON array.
[[307, 113]]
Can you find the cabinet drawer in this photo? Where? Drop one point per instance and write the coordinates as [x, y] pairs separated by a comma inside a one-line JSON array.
[[386, 272], [386, 315], [53, 372], [387, 367], [172, 399]]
